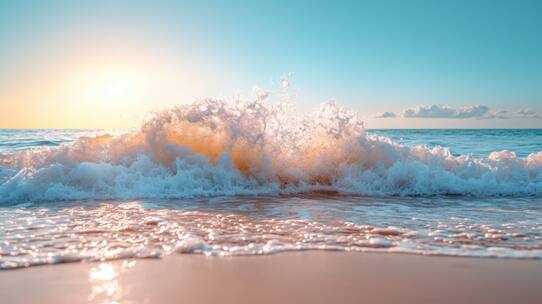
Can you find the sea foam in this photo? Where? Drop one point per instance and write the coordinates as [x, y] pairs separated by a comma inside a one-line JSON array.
[[216, 147]]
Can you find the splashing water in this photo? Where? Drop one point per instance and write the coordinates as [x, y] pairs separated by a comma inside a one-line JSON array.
[[216, 147]]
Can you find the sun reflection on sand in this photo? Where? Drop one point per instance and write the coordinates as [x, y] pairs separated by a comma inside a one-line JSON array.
[[106, 287]]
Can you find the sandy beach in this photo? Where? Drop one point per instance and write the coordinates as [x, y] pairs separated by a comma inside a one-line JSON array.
[[300, 277]]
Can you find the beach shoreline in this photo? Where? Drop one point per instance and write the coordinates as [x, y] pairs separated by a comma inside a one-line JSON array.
[[292, 277]]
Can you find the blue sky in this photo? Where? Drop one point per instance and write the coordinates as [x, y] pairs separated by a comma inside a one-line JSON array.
[[370, 56]]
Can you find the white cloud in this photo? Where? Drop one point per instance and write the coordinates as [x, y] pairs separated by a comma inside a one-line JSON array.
[[385, 115], [526, 113], [438, 111], [472, 112], [502, 114]]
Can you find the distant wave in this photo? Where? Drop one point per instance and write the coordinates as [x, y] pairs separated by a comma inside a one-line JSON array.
[[215, 147], [30, 144]]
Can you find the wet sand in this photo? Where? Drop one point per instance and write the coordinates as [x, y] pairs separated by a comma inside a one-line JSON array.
[[298, 277]]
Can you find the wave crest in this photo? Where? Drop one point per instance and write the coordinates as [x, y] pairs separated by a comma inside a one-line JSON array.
[[217, 147]]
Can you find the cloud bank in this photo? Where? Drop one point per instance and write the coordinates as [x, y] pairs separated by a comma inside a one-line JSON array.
[[473, 112]]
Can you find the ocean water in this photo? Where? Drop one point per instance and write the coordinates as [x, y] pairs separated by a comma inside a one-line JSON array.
[[473, 142], [222, 178]]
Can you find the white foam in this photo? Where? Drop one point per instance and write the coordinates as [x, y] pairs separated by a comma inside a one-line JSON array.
[[97, 232]]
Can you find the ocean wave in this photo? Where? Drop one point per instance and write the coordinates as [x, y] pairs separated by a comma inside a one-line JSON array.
[[218, 147]]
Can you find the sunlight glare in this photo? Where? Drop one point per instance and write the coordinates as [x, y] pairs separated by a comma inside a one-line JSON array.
[[112, 86]]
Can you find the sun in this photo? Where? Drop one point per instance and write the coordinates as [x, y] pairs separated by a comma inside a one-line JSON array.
[[117, 89], [116, 94], [113, 85]]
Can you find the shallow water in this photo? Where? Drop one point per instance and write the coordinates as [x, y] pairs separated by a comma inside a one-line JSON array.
[[219, 179], [73, 231]]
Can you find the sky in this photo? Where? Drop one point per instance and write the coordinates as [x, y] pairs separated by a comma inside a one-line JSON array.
[[400, 64]]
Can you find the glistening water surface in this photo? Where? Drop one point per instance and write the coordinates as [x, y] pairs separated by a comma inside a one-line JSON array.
[[74, 231]]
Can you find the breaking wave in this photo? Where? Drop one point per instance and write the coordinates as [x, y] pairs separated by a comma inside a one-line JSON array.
[[218, 147]]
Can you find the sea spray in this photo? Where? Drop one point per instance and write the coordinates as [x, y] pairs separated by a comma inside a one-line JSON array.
[[216, 147]]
